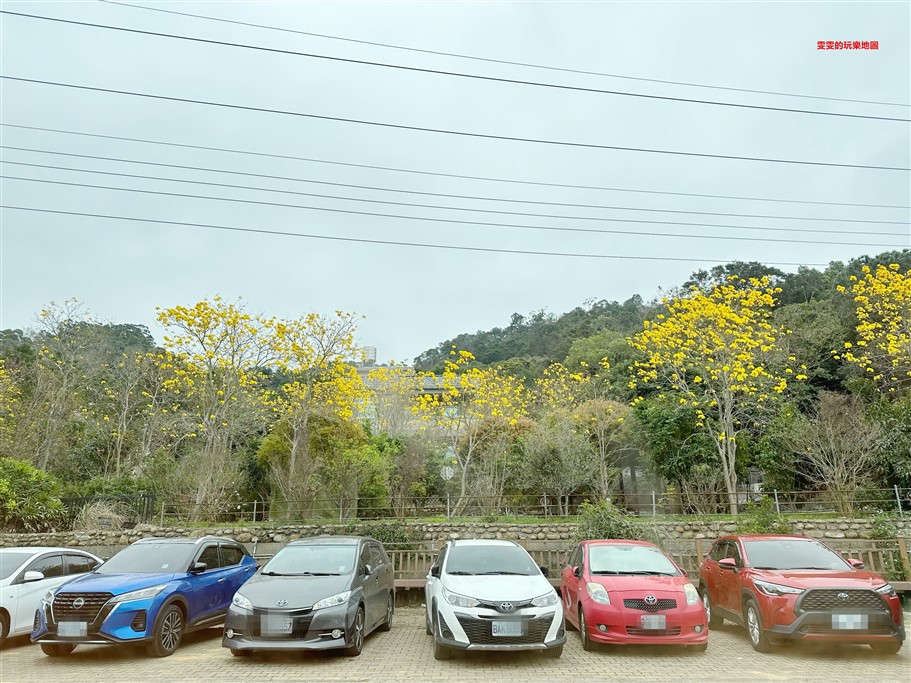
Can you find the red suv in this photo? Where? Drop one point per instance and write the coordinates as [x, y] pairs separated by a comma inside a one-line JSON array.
[[793, 587]]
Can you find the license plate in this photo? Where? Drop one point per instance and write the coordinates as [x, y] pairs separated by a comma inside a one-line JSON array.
[[72, 629], [654, 622], [275, 624], [850, 622], [506, 628]]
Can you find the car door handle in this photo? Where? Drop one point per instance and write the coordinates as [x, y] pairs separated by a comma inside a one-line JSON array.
[[222, 580]]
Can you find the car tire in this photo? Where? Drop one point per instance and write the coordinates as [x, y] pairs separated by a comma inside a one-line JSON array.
[[390, 613], [553, 652], [427, 627], [57, 649], [887, 647], [167, 633], [440, 652], [752, 618], [698, 648], [357, 634], [587, 643], [240, 653], [4, 627], [714, 620]]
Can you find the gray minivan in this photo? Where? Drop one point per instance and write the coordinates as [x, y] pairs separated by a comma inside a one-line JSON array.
[[321, 593]]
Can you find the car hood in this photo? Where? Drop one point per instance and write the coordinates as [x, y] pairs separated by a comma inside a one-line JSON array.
[[639, 583], [299, 591], [820, 578], [114, 583], [497, 588]]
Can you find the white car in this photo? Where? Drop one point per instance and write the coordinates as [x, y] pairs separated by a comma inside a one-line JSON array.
[[490, 595], [26, 574]]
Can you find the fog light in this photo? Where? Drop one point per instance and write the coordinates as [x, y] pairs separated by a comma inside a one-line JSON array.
[[230, 633], [698, 629], [602, 628], [337, 633]]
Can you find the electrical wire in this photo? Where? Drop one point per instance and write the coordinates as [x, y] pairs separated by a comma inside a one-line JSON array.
[[444, 131], [426, 193], [497, 61], [389, 242], [513, 181], [446, 220], [455, 74], [436, 206]]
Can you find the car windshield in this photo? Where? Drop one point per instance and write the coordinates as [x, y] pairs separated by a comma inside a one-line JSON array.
[[150, 558], [792, 554], [10, 561], [316, 559], [490, 559], [629, 559]]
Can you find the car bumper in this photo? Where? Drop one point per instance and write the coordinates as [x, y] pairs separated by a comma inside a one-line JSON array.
[[542, 629], [309, 630], [818, 626], [126, 622], [624, 626]]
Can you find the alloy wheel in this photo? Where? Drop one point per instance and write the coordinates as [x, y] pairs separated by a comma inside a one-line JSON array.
[[171, 629]]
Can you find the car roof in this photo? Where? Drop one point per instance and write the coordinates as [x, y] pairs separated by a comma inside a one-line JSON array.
[[188, 541], [43, 549], [766, 537], [332, 540], [483, 541]]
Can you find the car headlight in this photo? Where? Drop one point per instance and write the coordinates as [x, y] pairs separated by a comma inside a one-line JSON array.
[[459, 600], [333, 601], [692, 595], [776, 589], [142, 594], [597, 593], [545, 600], [886, 589], [241, 601], [48, 597]]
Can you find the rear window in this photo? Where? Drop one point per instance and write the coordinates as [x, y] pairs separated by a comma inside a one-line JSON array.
[[792, 554], [11, 561], [490, 559], [150, 558]]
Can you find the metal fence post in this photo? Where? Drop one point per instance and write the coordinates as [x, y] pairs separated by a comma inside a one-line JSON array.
[[777, 506], [447, 505], [254, 509], [161, 522], [654, 505], [898, 499]]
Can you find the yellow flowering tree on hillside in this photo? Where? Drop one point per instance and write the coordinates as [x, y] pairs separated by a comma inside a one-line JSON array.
[[711, 348], [467, 399], [882, 301], [9, 402]]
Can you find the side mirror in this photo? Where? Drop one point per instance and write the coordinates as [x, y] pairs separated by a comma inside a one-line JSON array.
[[435, 571], [727, 563], [30, 577], [577, 572], [857, 564], [544, 570], [198, 567], [368, 570]]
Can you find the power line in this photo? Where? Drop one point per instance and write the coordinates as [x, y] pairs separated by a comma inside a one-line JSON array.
[[427, 193], [423, 219], [437, 206], [513, 181], [388, 242], [499, 61], [446, 131], [455, 74]]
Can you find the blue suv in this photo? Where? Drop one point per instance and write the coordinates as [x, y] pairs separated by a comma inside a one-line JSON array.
[[151, 592]]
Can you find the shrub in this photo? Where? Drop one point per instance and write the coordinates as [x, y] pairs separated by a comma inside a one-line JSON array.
[[29, 498], [387, 533], [761, 518], [883, 527], [603, 520]]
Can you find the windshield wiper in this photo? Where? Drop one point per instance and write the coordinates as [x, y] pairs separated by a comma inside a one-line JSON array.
[[501, 572], [646, 573], [314, 574], [272, 574], [819, 568], [460, 573]]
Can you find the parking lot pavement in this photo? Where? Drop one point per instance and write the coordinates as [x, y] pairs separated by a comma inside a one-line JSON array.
[[405, 654]]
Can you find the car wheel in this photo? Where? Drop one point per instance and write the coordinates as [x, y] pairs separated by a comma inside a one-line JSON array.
[[390, 612], [240, 653], [888, 647], [427, 626], [357, 634], [167, 633], [698, 648], [440, 651], [553, 652], [4, 628], [714, 620], [587, 643], [758, 638], [57, 649]]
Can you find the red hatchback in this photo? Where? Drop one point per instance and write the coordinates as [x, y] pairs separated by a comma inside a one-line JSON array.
[[630, 592], [794, 587]]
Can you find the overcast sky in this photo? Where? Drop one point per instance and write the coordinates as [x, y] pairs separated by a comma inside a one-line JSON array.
[[413, 298]]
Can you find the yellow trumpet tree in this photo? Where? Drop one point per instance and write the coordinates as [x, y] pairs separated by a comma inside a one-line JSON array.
[[712, 349], [882, 301]]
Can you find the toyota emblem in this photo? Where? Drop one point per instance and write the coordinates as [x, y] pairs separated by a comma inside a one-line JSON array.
[[281, 603], [78, 602], [842, 596], [507, 607], [651, 600]]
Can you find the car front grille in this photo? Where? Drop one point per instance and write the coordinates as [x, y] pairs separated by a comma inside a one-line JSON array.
[[300, 624], [479, 631], [79, 606], [37, 621], [637, 631], [505, 607], [660, 605], [832, 600]]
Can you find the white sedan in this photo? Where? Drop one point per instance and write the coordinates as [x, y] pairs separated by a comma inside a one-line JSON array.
[[26, 574]]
